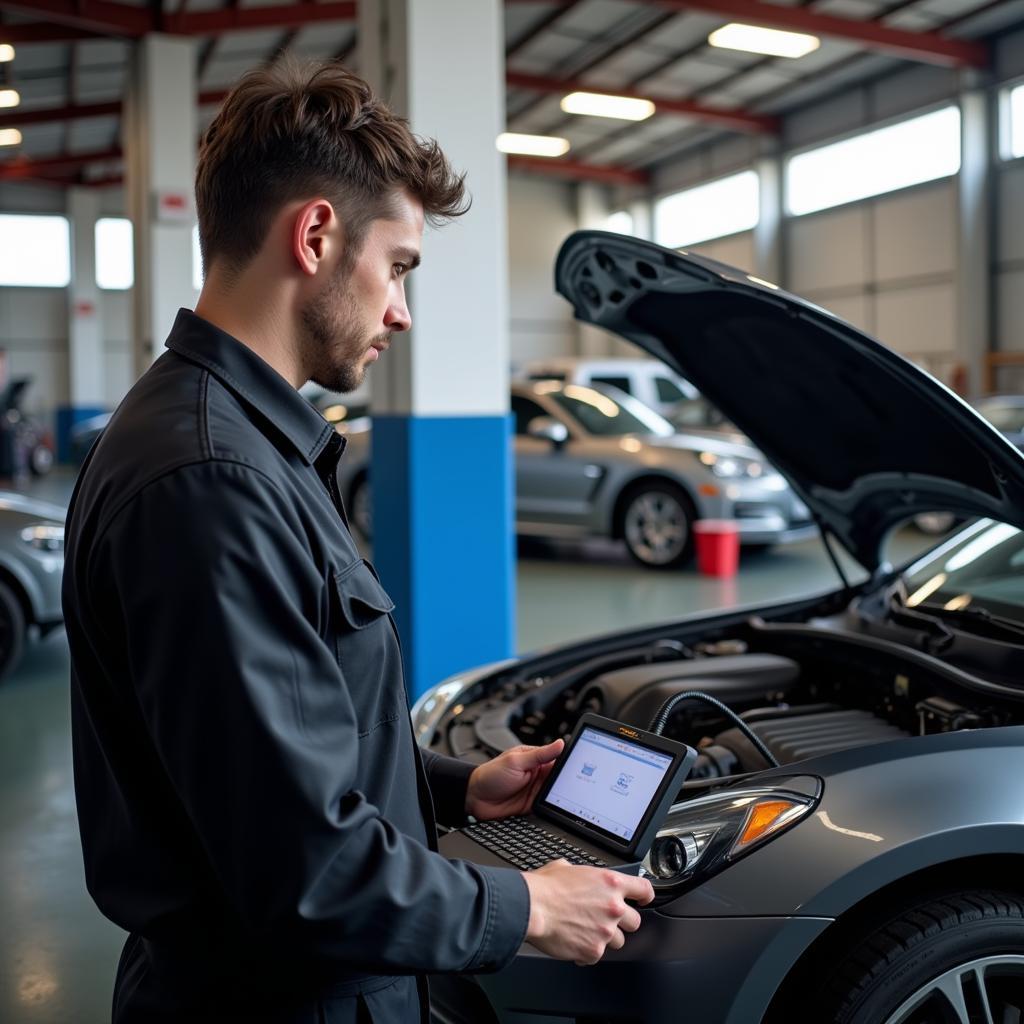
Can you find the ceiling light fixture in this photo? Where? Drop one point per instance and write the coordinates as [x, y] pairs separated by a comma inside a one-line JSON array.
[[532, 145], [770, 41], [6, 53], [622, 108], [10, 137], [9, 98]]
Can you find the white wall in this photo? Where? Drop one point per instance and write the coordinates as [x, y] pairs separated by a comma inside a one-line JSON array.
[[541, 213]]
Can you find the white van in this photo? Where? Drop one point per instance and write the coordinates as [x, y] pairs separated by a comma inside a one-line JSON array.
[[652, 382]]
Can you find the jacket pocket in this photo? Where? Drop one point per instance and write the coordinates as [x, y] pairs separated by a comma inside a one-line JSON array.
[[366, 646]]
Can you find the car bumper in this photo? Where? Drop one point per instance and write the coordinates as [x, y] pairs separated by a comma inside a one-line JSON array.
[[704, 970]]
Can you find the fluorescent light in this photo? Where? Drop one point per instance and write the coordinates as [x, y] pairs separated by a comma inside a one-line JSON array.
[[532, 145], [771, 41], [10, 137], [624, 108], [6, 53], [9, 98]]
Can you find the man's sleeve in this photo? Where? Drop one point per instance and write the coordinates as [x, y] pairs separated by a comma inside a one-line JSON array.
[[449, 782], [248, 713]]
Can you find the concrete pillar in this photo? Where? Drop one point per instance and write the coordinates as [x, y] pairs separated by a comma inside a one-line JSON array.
[[974, 296], [159, 135], [768, 232], [442, 469]]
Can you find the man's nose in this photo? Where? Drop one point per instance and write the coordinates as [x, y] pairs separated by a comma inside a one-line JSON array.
[[397, 317]]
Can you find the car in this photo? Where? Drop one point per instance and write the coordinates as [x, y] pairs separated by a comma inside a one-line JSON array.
[[594, 462], [849, 847], [31, 565], [33, 443], [648, 380]]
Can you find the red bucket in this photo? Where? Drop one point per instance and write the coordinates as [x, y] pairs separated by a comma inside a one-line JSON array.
[[718, 546]]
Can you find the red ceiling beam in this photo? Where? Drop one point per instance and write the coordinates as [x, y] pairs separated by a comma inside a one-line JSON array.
[[72, 112], [206, 23], [98, 16], [43, 32], [577, 171], [22, 168], [928, 47], [79, 19], [737, 120]]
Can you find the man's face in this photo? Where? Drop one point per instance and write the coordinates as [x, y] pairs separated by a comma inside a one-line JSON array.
[[349, 323]]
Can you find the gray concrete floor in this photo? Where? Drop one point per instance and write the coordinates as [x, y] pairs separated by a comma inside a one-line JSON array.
[[58, 954]]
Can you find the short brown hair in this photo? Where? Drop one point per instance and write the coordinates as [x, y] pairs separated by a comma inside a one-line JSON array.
[[304, 128]]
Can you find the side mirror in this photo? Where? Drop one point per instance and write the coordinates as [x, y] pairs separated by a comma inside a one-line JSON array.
[[548, 429]]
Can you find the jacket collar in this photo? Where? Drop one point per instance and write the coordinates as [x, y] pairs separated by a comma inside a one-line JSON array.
[[243, 372]]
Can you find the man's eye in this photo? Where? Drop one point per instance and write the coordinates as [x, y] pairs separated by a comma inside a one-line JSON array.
[[400, 269]]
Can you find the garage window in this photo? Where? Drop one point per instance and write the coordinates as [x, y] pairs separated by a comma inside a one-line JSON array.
[[621, 222], [35, 251], [115, 257], [719, 208], [921, 149], [1012, 123]]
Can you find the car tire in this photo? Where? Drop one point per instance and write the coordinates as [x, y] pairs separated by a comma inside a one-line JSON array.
[[966, 947], [12, 630], [657, 524], [360, 507], [40, 460]]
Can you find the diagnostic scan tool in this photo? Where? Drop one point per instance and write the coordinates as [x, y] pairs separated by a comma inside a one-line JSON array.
[[602, 803]]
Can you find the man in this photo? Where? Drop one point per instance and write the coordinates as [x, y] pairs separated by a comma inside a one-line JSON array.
[[253, 807]]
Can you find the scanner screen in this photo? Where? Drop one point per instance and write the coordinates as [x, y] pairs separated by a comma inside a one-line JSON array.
[[609, 781]]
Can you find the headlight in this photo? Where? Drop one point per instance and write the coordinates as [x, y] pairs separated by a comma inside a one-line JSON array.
[[708, 833], [428, 711], [732, 466], [44, 537]]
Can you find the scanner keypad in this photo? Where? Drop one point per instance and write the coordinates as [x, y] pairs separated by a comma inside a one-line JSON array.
[[526, 845]]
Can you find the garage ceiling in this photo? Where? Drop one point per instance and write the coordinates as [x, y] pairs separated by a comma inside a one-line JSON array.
[[72, 58]]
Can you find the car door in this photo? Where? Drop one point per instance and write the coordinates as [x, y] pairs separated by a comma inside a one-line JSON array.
[[554, 483]]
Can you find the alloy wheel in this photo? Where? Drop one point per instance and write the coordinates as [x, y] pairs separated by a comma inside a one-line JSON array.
[[989, 990], [656, 527]]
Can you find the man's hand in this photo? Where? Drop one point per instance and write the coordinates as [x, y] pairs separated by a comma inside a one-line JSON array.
[[577, 913], [508, 784]]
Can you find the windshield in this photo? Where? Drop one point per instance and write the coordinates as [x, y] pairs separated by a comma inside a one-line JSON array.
[[980, 567], [607, 412]]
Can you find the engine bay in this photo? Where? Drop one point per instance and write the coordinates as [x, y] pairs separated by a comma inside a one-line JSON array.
[[805, 688]]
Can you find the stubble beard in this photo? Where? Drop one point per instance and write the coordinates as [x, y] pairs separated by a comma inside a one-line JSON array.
[[335, 342]]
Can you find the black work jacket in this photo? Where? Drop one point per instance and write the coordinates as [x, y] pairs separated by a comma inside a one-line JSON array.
[[253, 806]]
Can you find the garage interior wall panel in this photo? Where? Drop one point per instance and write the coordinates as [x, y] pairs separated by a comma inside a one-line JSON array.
[[541, 214], [736, 250], [34, 331], [909, 91], [828, 252], [1009, 269], [115, 310], [1009, 56]]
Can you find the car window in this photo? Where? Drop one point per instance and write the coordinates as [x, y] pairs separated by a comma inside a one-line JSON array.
[[525, 411], [605, 416], [545, 376], [622, 383], [1007, 418], [667, 390], [981, 567]]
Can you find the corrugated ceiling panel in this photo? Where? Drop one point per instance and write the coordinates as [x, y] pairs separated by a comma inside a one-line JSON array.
[[264, 41], [323, 40], [100, 85], [91, 52], [594, 18]]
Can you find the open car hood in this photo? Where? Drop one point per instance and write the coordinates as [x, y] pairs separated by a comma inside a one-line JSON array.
[[865, 437]]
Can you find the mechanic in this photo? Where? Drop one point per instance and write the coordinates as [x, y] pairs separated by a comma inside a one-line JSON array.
[[254, 810]]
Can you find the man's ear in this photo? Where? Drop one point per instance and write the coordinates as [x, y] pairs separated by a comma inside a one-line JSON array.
[[314, 232]]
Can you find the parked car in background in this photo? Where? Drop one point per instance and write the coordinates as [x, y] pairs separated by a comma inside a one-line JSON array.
[[31, 565], [647, 380], [594, 462], [850, 844], [33, 443]]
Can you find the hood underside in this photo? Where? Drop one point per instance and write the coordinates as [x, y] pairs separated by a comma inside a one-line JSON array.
[[865, 437]]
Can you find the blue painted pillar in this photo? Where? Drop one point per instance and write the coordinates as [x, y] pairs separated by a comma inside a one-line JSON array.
[[441, 468]]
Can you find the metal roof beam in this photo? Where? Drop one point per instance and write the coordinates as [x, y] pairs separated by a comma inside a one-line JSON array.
[[578, 171], [23, 168], [737, 120], [43, 32], [98, 16], [230, 19], [927, 47]]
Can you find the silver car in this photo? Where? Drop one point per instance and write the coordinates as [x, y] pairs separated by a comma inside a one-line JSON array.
[[594, 462], [31, 564]]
